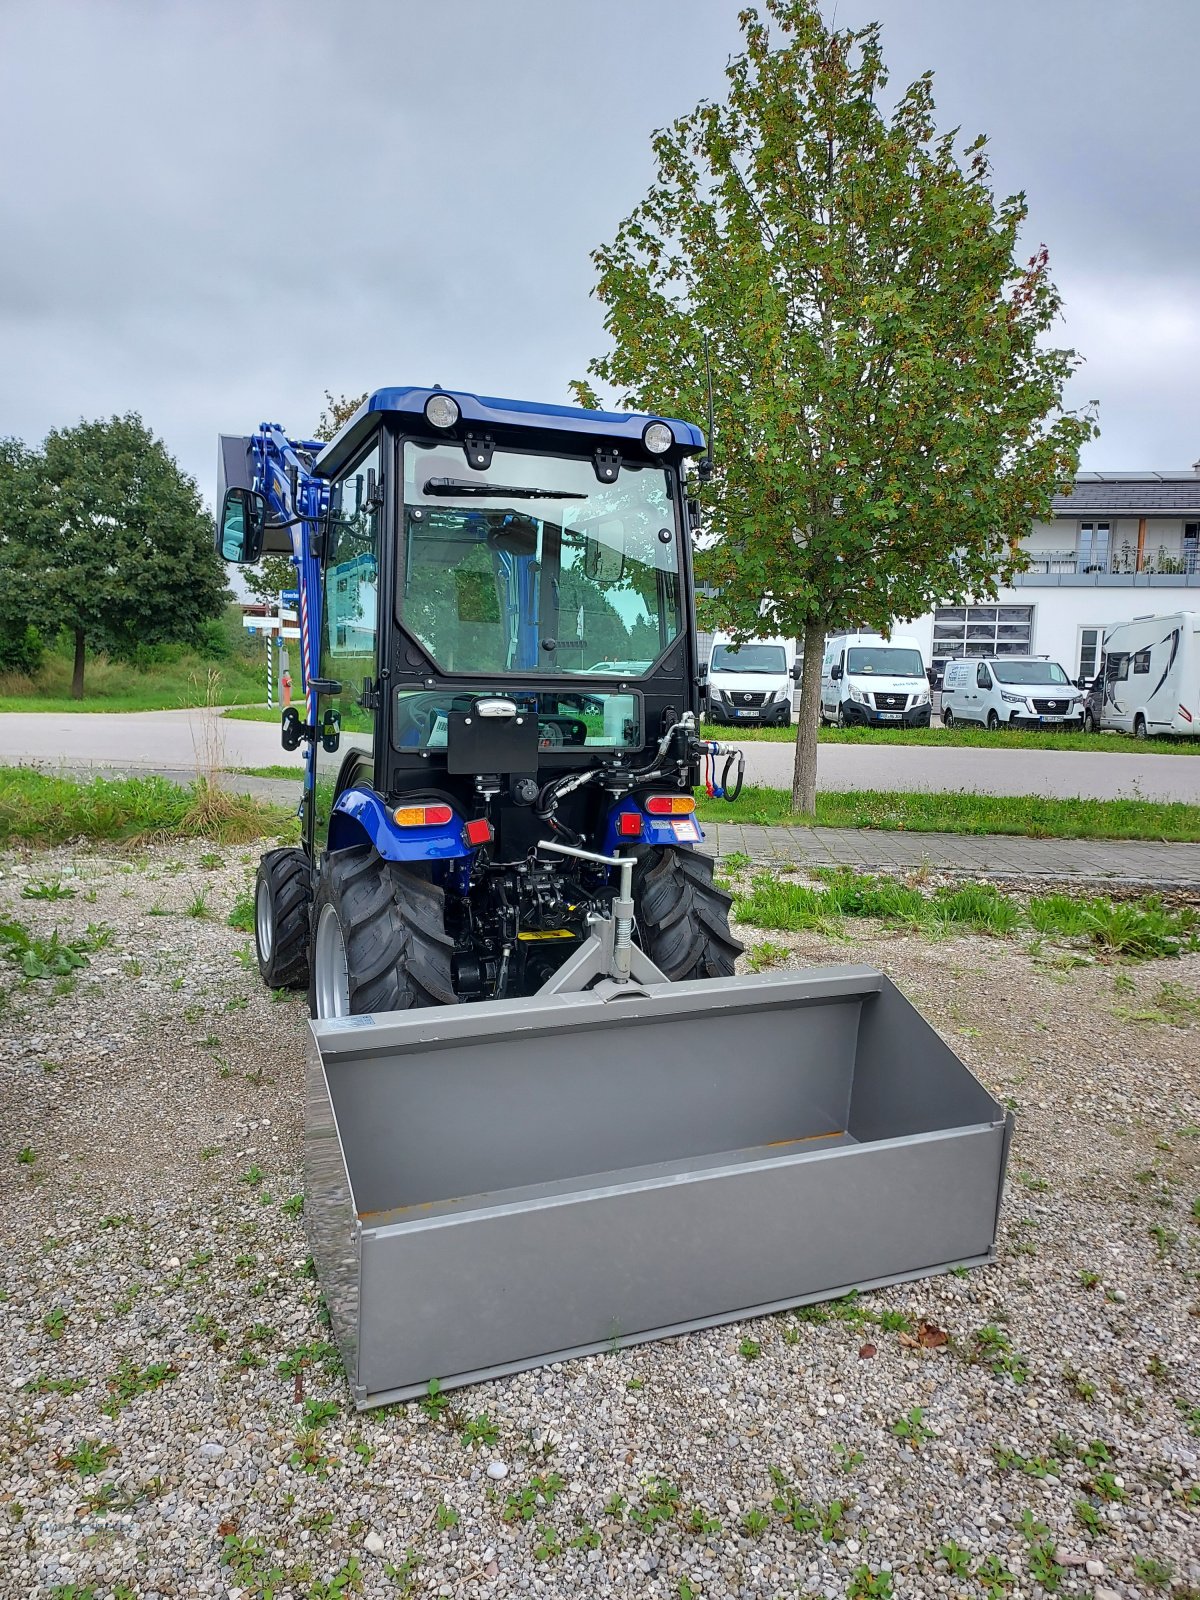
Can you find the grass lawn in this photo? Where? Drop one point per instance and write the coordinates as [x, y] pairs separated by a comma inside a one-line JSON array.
[[279, 771], [969, 738], [1030, 815], [39, 810], [185, 679]]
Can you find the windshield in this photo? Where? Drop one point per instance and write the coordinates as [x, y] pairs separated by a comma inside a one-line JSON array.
[[1029, 672], [749, 658], [886, 661], [535, 566]]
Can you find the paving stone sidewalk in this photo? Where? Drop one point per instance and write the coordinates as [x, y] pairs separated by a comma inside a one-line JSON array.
[[990, 855]]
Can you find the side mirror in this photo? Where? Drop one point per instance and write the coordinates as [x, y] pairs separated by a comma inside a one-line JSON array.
[[835, 672], [243, 524], [797, 671]]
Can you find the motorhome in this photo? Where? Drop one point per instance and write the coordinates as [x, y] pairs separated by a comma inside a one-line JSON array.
[[1149, 678], [752, 682], [866, 678]]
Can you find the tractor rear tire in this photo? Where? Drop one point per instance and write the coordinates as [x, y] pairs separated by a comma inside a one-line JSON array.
[[379, 938], [682, 917], [282, 894]]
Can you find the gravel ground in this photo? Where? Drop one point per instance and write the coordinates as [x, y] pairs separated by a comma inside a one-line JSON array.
[[153, 1281]]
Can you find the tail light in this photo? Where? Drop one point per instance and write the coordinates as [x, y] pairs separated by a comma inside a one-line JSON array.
[[422, 816], [629, 825], [478, 831], [670, 805]]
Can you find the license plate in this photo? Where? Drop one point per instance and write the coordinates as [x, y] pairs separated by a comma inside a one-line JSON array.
[[1053, 719], [890, 716], [747, 713]]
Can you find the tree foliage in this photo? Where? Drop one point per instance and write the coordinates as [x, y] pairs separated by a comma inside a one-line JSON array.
[[24, 614], [889, 415], [111, 538]]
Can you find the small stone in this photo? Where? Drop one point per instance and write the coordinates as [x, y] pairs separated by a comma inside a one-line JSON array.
[[1119, 1297], [497, 1470], [1106, 1594], [1070, 1558], [1095, 1569], [373, 1543], [212, 1451]]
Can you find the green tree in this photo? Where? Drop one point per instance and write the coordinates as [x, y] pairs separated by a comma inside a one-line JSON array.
[[127, 547], [889, 415], [275, 573], [24, 612]]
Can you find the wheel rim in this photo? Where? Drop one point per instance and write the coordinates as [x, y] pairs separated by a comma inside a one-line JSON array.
[[264, 920], [331, 977], [993, 722]]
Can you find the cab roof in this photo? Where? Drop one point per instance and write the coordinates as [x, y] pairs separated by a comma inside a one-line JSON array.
[[501, 417]]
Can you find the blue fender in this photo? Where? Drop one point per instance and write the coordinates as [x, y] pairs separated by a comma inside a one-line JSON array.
[[359, 816], [683, 832]]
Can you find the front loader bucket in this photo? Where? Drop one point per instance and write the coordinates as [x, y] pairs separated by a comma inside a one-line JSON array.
[[494, 1186]]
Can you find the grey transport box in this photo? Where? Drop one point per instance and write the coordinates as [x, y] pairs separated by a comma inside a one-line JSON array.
[[490, 1187]]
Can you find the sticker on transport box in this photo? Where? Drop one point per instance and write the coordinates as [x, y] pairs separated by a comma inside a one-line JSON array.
[[348, 1022], [687, 830]]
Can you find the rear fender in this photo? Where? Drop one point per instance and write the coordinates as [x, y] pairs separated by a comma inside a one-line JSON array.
[[682, 832], [359, 816]]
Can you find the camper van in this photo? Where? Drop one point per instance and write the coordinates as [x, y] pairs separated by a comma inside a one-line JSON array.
[[1149, 679], [752, 682], [866, 678]]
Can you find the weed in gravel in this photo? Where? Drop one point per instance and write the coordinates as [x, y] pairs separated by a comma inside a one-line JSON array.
[[994, 1576], [956, 1557], [318, 1412], [73, 1591], [157, 909], [208, 1151], [846, 1458], [129, 1381], [26, 1156], [55, 1322], [246, 1559], [766, 954], [826, 1520], [1084, 1388], [698, 1521], [480, 1430], [868, 1585], [198, 905], [1088, 1518], [45, 1385], [994, 1349], [309, 1456], [1106, 1486], [37, 957], [1157, 1574], [1171, 1004], [911, 1429], [242, 915], [735, 861], [88, 1458], [539, 1493], [749, 1349], [293, 1206], [755, 1523], [1164, 1238], [47, 889], [434, 1402], [252, 1176], [1089, 1279]]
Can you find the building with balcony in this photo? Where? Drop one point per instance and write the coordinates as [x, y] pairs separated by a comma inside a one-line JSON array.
[[1120, 545]]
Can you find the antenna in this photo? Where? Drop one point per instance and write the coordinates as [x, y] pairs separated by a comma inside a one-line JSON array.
[[705, 465]]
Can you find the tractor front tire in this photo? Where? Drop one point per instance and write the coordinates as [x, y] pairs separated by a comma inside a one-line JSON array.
[[282, 893], [682, 917], [379, 938]]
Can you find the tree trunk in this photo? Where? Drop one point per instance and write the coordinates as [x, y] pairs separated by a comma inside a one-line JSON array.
[[804, 775], [77, 675]]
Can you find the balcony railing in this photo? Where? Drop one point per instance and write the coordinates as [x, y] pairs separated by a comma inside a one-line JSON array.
[[1123, 560]]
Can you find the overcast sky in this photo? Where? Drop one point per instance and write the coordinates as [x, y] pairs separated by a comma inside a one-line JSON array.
[[213, 210]]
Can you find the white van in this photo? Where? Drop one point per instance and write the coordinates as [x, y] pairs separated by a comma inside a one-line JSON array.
[[1010, 692], [752, 682], [1149, 679], [866, 678]]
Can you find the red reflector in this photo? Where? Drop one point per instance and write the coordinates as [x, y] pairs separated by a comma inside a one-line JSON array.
[[629, 824], [1184, 712], [478, 831], [422, 816], [670, 805]]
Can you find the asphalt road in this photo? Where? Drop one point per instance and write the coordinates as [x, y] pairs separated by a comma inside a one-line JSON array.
[[183, 741]]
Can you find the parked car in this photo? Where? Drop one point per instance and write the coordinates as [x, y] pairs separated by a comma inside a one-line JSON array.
[[752, 682], [1149, 678], [1010, 692], [867, 679]]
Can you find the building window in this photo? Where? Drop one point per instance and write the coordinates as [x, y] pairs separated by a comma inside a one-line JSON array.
[[981, 631], [1191, 547], [1089, 652], [1092, 549]]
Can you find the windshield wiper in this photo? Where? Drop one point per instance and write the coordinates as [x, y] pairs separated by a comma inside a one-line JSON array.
[[517, 492]]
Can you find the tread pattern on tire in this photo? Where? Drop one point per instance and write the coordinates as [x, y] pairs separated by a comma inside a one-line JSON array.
[[682, 917], [397, 949], [289, 878]]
